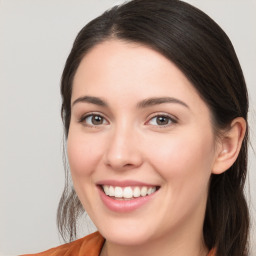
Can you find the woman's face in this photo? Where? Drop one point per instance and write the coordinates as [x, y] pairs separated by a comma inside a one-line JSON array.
[[139, 128]]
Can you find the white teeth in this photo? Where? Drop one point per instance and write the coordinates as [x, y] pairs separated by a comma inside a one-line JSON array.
[[136, 192], [128, 192], [111, 191], [149, 191], [143, 191], [106, 190], [118, 192]]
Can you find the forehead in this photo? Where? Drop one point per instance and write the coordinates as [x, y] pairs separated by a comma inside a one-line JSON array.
[[118, 69]]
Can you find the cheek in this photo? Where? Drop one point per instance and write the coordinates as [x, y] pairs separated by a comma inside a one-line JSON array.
[[184, 157], [83, 154], [184, 164]]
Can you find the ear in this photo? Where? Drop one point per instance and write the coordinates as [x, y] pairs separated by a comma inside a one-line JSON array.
[[229, 146]]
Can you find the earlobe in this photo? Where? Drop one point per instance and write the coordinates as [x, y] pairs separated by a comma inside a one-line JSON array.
[[230, 145]]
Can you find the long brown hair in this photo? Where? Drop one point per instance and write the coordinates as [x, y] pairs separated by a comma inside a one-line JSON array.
[[204, 53]]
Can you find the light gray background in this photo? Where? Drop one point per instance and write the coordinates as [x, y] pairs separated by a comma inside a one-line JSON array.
[[35, 39]]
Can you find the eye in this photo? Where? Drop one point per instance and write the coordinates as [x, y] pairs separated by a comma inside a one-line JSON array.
[[93, 120], [161, 120]]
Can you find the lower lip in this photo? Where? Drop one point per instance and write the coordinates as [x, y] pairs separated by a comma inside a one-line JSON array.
[[124, 205]]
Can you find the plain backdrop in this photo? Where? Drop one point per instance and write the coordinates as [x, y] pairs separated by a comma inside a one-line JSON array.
[[35, 39]]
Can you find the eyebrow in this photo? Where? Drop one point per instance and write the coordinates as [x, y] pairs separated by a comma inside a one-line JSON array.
[[142, 104], [91, 99], [156, 101]]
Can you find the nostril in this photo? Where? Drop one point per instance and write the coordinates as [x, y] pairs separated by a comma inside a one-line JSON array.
[[122, 152], [127, 165]]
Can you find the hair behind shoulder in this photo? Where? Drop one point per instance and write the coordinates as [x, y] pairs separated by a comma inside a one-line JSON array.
[[204, 53]]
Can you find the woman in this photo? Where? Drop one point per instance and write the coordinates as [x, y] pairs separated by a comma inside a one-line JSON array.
[[154, 105]]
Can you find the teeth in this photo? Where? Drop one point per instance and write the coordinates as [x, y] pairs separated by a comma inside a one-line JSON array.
[[143, 191], [106, 190], [111, 191], [153, 190], [128, 192], [136, 192], [118, 192]]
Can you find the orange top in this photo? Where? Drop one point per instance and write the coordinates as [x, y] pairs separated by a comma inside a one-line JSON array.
[[90, 245], [212, 252]]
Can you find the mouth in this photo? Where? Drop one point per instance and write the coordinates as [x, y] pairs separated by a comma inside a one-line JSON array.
[[129, 192]]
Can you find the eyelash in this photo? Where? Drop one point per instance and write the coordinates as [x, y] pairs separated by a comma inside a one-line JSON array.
[[171, 120], [91, 115]]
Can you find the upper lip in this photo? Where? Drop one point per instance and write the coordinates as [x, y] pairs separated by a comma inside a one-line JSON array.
[[125, 183]]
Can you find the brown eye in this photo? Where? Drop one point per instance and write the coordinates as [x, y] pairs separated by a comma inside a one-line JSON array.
[[96, 120], [162, 120], [93, 120]]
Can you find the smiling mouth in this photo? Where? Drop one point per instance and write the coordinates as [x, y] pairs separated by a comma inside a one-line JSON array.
[[128, 193]]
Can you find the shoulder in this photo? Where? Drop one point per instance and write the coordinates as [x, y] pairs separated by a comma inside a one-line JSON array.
[[88, 245]]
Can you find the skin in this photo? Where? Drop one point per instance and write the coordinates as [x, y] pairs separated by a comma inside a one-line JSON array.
[[129, 144]]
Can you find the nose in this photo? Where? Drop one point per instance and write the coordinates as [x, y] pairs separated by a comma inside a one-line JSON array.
[[123, 150]]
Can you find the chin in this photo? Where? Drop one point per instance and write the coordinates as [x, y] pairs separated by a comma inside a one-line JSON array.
[[127, 238], [128, 233]]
